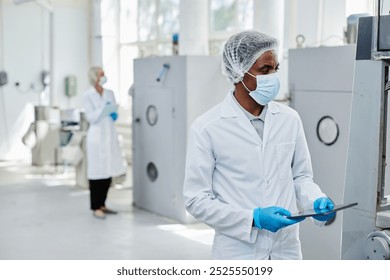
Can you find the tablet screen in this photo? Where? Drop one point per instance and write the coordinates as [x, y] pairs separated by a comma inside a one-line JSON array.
[[312, 212]]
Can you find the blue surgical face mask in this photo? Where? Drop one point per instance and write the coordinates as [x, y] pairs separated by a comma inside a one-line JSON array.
[[267, 88], [102, 80]]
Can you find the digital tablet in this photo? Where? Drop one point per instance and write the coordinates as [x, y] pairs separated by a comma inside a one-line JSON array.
[[312, 212]]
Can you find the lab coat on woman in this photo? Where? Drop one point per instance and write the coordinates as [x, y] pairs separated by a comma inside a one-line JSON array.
[[230, 171], [104, 158]]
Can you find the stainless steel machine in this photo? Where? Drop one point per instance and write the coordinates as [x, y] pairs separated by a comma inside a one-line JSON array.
[[346, 123], [320, 84], [168, 94], [366, 228], [57, 137], [43, 136], [73, 152]]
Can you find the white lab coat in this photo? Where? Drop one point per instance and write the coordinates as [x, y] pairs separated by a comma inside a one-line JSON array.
[[230, 171], [104, 158]]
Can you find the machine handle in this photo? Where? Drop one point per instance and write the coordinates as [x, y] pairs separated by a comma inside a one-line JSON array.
[[163, 71]]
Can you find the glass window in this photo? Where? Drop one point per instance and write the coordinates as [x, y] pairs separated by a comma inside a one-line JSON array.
[[128, 17], [245, 14], [157, 21], [230, 15], [146, 28], [226, 18], [223, 15], [168, 19], [147, 23]]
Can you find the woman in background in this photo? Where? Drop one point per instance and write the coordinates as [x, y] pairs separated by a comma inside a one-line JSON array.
[[104, 158]]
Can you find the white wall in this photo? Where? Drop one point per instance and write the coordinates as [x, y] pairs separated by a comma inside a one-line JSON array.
[[25, 53], [71, 49], [110, 43], [321, 22]]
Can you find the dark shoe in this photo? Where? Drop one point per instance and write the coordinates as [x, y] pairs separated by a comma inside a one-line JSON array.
[[108, 211], [99, 214]]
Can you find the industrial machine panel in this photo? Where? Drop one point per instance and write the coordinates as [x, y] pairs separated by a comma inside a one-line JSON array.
[[155, 110], [321, 81]]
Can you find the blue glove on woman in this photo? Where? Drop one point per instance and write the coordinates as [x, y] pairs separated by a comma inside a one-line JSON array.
[[273, 218], [321, 205], [114, 116]]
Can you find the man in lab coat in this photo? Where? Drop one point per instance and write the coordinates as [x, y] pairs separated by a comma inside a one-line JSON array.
[[248, 164], [104, 158]]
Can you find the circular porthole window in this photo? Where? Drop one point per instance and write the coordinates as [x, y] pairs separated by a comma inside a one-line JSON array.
[[151, 115], [152, 172], [327, 130]]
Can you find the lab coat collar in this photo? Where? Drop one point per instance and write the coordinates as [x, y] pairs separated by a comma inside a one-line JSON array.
[[92, 89], [229, 108]]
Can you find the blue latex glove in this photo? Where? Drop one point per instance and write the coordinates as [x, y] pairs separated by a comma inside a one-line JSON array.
[[272, 218], [321, 205], [114, 116]]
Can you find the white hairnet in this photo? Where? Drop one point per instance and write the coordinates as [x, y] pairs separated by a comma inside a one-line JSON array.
[[242, 50], [93, 74]]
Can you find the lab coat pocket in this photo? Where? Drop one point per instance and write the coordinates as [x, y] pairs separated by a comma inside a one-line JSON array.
[[285, 153]]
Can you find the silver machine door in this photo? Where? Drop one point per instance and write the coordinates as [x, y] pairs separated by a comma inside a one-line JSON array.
[[169, 93], [325, 117], [322, 97], [153, 149]]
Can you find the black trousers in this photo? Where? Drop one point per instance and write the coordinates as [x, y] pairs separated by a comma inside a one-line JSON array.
[[98, 192]]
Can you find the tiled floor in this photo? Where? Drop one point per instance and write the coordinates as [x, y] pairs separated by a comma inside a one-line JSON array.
[[45, 216]]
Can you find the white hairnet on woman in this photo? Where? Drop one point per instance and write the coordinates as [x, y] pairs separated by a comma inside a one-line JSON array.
[[248, 165]]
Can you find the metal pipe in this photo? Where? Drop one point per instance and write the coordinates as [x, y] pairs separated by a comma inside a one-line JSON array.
[[51, 44], [382, 198]]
